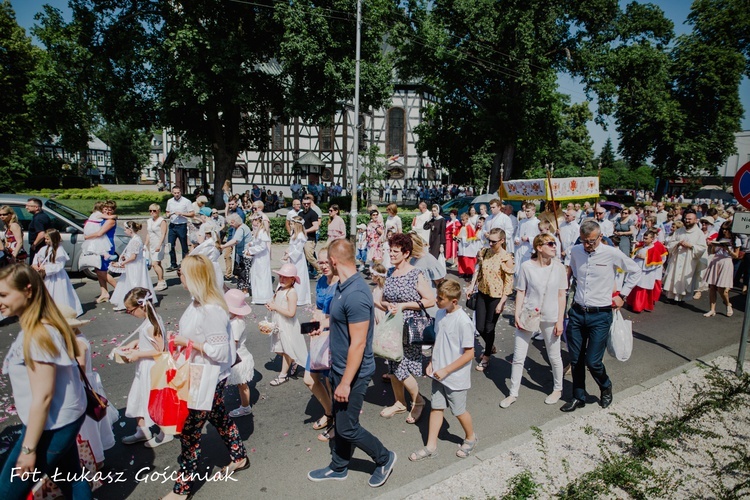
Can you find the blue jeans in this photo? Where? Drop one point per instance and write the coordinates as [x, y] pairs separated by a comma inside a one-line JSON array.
[[587, 335], [177, 231], [349, 433], [56, 456]]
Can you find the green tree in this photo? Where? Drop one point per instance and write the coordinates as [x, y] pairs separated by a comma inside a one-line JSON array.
[[219, 74], [575, 144], [130, 150], [17, 62], [607, 154]]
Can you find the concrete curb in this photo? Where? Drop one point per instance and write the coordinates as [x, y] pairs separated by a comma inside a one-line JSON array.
[[456, 468]]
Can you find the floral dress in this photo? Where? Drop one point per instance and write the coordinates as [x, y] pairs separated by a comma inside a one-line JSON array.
[[374, 241], [400, 289]]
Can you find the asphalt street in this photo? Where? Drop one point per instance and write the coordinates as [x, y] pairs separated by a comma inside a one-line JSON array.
[[279, 437]]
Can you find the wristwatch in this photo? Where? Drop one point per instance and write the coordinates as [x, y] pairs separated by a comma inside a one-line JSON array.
[[27, 451], [623, 297]]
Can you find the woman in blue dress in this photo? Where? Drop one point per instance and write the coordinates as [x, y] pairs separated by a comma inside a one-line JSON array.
[[109, 226]]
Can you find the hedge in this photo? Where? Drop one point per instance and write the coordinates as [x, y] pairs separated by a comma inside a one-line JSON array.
[[99, 193], [279, 234]]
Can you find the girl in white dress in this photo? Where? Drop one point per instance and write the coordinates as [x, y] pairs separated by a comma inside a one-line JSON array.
[[156, 236], [99, 435], [133, 268], [243, 371], [150, 343], [50, 264], [210, 246], [295, 255], [100, 245], [287, 341], [261, 283]]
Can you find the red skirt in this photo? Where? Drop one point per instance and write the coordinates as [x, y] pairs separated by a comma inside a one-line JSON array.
[[641, 299], [466, 264]]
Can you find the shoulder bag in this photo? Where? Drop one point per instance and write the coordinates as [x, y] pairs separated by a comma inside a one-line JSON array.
[[420, 330], [96, 405]]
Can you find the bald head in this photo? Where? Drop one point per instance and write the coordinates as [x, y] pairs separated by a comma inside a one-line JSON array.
[[342, 251]]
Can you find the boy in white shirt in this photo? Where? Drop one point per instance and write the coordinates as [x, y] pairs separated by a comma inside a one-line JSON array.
[[450, 370]]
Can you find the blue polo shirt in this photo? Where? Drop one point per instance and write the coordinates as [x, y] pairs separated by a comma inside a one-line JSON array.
[[352, 303]]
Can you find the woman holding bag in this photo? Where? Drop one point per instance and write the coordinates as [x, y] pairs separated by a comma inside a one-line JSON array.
[[406, 290], [47, 388], [540, 297], [205, 327]]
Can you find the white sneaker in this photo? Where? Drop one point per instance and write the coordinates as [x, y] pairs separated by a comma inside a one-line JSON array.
[[158, 440], [553, 398], [241, 411], [138, 437], [160, 286], [507, 401]]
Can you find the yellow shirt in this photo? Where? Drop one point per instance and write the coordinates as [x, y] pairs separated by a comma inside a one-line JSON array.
[[495, 276]]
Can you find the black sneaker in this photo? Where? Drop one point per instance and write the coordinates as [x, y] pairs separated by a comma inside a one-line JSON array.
[[172, 268]]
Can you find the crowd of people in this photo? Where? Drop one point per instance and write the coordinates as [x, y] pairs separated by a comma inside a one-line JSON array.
[[565, 270]]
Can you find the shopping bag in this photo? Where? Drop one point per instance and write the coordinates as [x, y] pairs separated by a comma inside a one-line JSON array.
[[387, 341], [168, 399], [320, 352], [620, 343], [89, 261], [202, 386], [441, 263]]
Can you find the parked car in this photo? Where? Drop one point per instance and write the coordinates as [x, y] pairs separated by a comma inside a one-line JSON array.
[[66, 220]]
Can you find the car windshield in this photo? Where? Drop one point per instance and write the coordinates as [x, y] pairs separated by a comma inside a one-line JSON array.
[[67, 212]]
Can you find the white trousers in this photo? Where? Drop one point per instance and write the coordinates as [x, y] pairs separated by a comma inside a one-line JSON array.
[[521, 348]]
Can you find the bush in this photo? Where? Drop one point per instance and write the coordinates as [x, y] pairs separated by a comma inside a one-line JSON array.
[[99, 193], [76, 182]]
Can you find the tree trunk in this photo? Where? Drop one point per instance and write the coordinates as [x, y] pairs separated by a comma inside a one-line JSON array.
[[503, 155]]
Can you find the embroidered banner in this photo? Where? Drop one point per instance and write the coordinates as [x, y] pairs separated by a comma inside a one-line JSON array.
[[565, 188]]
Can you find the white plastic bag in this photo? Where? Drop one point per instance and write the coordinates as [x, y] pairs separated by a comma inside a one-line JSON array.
[[89, 260], [441, 262], [320, 352], [620, 343], [388, 338]]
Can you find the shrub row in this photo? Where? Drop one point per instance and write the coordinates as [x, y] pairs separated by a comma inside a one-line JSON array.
[[99, 193], [279, 234]]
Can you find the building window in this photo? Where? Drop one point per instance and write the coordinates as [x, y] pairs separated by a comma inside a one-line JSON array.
[[396, 133], [326, 138], [277, 136], [238, 172]]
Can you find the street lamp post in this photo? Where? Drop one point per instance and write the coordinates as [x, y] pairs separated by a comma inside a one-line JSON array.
[[355, 164]]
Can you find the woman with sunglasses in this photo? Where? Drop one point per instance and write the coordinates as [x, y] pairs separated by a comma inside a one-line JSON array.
[[494, 281], [336, 225], [13, 234], [624, 230], [540, 286]]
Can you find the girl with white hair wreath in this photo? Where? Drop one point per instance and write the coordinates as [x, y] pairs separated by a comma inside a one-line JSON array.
[[150, 343], [210, 246]]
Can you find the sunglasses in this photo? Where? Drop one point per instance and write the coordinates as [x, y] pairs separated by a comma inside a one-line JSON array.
[[492, 242], [154, 211], [4, 215], [550, 243], [600, 213]]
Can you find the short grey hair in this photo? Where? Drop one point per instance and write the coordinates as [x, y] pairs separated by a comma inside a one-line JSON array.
[[234, 218], [589, 226]]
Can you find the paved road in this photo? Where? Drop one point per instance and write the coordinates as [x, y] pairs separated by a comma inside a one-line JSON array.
[[279, 436]]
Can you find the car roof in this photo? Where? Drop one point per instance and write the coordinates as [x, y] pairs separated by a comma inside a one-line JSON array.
[[15, 198]]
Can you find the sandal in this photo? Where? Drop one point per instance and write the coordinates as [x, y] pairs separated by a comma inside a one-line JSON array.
[[467, 448], [411, 419], [279, 381], [102, 298], [482, 365], [235, 467], [293, 369], [390, 411], [328, 434], [319, 424], [423, 454]]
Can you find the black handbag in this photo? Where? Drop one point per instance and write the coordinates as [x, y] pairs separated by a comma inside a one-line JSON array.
[[420, 330], [471, 302], [96, 405]]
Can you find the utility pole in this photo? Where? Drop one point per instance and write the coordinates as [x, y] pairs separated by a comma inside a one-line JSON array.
[[355, 160]]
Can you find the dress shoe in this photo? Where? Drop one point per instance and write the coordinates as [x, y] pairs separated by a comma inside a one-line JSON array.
[[606, 397], [573, 405]]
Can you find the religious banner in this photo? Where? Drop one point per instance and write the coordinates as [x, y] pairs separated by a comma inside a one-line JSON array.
[[563, 188]]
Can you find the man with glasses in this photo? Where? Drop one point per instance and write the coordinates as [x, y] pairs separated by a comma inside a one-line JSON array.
[[311, 223], [593, 266], [528, 229], [661, 214], [179, 210], [687, 246], [40, 222], [606, 226], [291, 214]]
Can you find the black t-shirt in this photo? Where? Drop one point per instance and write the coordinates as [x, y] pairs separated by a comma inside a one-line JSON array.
[[309, 219], [40, 222]]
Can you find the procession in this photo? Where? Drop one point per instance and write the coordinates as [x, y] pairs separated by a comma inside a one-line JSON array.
[[419, 303]]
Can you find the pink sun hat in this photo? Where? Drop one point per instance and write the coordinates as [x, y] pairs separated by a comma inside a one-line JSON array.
[[236, 302], [288, 271]]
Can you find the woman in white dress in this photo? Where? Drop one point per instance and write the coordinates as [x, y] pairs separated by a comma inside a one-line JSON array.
[[295, 255], [156, 237], [261, 283], [209, 245], [50, 264], [132, 265]]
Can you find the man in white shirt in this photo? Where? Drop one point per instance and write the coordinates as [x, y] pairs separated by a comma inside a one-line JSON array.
[[179, 209], [568, 234], [499, 220], [606, 225], [508, 210], [661, 214], [593, 265], [417, 225], [528, 229], [291, 214]]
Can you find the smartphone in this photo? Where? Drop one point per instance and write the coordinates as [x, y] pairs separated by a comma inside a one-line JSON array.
[[306, 328]]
